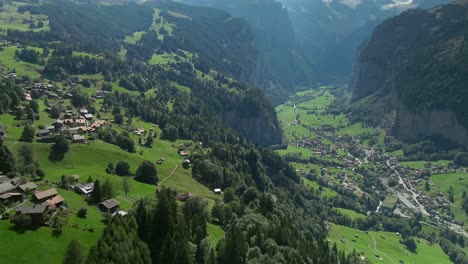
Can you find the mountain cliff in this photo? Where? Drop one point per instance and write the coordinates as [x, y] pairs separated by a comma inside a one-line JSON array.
[[330, 31], [414, 68]]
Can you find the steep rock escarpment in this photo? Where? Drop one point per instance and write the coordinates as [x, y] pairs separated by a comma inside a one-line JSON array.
[[413, 70], [411, 126]]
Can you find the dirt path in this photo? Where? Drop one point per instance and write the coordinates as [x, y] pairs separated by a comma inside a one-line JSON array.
[[172, 173], [9, 210], [378, 252]]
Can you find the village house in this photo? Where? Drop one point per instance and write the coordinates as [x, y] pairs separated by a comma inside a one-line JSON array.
[[30, 186], [59, 125], [80, 121], [54, 201], [85, 189], [217, 191], [43, 133], [79, 139], [88, 116], [4, 179], [11, 197], [110, 205], [37, 213], [183, 153], [7, 187], [45, 195]]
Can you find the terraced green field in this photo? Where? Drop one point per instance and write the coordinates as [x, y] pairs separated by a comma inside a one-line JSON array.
[[90, 160], [384, 247]]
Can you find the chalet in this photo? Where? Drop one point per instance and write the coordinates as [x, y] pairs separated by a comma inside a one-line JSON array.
[[31, 186], [43, 133], [83, 111], [80, 121], [59, 125], [69, 121], [73, 131], [11, 197], [4, 179], [185, 197], [68, 115], [88, 116], [86, 188], [37, 213], [217, 191], [54, 201], [45, 195], [7, 187], [110, 205], [183, 153], [79, 139]]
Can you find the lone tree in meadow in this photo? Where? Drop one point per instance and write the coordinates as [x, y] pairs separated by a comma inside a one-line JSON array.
[[28, 134], [147, 173], [58, 150]]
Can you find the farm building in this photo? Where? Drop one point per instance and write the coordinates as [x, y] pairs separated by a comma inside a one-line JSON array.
[[55, 201], [45, 195], [84, 188], [37, 213], [31, 186], [6, 187], [110, 205]]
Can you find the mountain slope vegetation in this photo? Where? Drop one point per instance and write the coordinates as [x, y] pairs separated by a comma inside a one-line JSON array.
[[416, 72]]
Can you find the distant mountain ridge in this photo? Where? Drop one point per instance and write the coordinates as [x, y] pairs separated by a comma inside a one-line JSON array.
[[307, 42], [414, 70], [281, 66]]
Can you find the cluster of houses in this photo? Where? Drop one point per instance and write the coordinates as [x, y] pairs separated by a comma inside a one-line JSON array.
[[74, 126], [12, 191]]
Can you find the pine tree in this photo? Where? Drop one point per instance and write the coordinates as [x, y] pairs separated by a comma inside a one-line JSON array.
[[74, 254], [96, 194], [120, 244], [7, 159], [235, 246], [28, 134]]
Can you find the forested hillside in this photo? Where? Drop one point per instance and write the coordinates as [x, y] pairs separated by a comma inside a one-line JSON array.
[[281, 66], [192, 36], [417, 73], [129, 138]]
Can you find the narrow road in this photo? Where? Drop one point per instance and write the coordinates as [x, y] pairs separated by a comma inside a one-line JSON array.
[[172, 172], [414, 195]]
